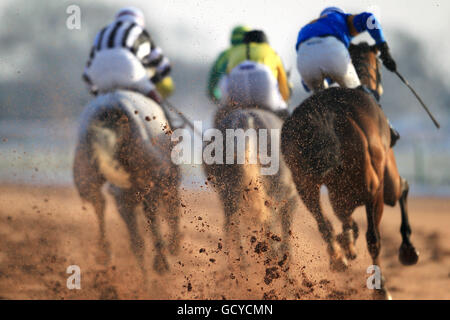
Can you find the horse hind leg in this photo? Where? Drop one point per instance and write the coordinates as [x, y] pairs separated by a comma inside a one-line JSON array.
[[104, 245], [160, 263], [350, 231], [347, 239], [89, 182], [311, 197], [174, 204], [408, 255], [231, 194], [374, 211], [126, 205], [286, 221], [282, 192]]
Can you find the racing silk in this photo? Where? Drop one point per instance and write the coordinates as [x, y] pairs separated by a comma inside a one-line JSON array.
[[342, 26], [129, 35], [264, 54], [218, 70]]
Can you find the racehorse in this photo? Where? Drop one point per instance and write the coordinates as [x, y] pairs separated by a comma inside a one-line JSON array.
[[272, 195], [340, 138], [124, 140]]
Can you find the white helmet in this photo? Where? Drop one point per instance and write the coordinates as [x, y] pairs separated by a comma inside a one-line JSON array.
[[331, 10], [131, 14]]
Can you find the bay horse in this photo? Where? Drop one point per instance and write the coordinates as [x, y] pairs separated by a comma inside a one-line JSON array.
[[271, 196], [340, 138], [124, 141]]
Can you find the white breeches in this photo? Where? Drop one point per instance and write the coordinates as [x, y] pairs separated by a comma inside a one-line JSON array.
[[320, 58], [252, 84], [118, 68]]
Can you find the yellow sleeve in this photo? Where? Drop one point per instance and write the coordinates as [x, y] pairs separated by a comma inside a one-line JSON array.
[[165, 87], [283, 84]]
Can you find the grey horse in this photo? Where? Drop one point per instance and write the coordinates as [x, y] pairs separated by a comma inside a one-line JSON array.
[[124, 140], [272, 195]]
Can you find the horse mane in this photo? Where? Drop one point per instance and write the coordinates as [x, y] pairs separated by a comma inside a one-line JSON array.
[[360, 55], [358, 52]]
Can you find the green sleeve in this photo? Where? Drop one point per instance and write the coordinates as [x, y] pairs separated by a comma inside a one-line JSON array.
[[218, 70]]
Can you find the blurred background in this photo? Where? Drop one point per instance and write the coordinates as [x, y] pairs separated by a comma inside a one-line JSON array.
[[41, 62]]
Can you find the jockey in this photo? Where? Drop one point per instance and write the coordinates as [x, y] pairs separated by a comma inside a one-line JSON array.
[[219, 68], [322, 50], [125, 57], [256, 75]]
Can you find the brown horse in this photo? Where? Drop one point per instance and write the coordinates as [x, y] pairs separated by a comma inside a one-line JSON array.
[[340, 138]]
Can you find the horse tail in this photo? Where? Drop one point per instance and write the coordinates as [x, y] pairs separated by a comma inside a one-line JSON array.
[[245, 177], [104, 136], [310, 141]]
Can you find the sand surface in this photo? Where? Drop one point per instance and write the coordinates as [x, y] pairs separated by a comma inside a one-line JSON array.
[[45, 230]]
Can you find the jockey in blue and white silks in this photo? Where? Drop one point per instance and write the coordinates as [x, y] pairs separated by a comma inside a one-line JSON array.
[[322, 48]]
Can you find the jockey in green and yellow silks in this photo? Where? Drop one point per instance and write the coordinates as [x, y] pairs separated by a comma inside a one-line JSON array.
[[220, 65], [256, 75]]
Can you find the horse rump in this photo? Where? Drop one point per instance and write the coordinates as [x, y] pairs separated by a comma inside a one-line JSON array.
[[309, 140]]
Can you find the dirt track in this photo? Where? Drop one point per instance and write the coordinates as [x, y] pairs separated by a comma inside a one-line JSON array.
[[44, 230]]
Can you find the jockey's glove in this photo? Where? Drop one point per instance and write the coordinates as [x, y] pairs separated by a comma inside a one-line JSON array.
[[386, 57]]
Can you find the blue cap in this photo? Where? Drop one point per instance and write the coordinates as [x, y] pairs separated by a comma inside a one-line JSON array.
[[331, 10]]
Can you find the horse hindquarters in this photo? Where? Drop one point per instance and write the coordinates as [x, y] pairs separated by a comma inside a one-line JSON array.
[[311, 150]]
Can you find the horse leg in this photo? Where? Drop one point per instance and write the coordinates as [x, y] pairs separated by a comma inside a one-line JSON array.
[[397, 188], [408, 255], [160, 264], [286, 221], [126, 205], [99, 206], [311, 197], [89, 182], [174, 219], [350, 231], [374, 211], [231, 198]]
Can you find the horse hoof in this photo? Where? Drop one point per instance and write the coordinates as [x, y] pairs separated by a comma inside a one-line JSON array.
[[351, 255], [339, 264], [160, 264], [381, 294], [174, 246], [349, 249], [408, 255], [104, 256], [103, 259]]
